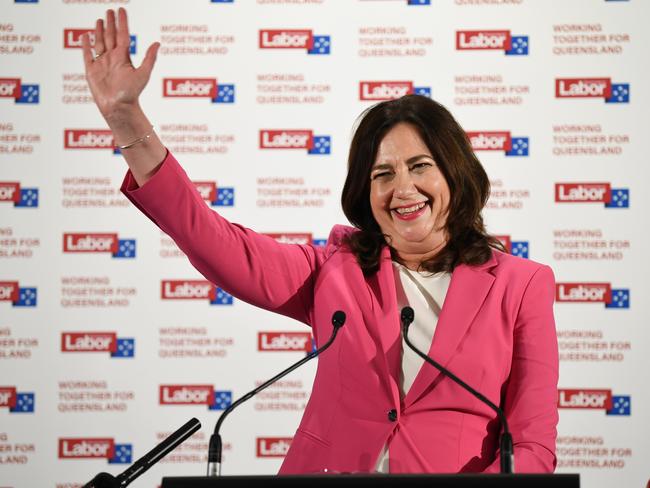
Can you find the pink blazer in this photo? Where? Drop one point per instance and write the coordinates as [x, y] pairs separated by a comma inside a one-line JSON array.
[[496, 331]]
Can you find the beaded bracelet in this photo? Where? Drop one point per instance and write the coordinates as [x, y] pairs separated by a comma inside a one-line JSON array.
[[137, 141]]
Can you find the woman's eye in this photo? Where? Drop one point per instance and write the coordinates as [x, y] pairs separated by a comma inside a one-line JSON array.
[[383, 174], [420, 165]]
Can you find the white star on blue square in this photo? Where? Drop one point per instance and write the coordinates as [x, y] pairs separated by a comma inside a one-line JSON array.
[[319, 242], [322, 145], [29, 94], [419, 2], [27, 297], [225, 93], [519, 248], [28, 198], [123, 454], [221, 401], [518, 46], [621, 405], [424, 91], [125, 348], [620, 198], [520, 147], [132, 44], [321, 45], [620, 299], [225, 197], [125, 248], [620, 93], [24, 403], [222, 297]]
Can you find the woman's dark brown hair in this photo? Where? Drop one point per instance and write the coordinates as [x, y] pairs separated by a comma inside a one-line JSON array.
[[469, 187]]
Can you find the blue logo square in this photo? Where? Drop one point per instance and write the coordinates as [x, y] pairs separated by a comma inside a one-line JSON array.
[[24, 403], [519, 248], [225, 197], [520, 147], [419, 2], [225, 94], [621, 405], [28, 198], [519, 46], [133, 43], [125, 248], [29, 94], [125, 348], [222, 1], [222, 297], [424, 91], [25, 1], [620, 198], [222, 400], [322, 145], [620, 299], [123, 454], [27, 297], [620, 93], [321, 45], [319, 242]]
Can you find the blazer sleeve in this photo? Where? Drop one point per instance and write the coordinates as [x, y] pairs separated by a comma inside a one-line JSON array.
[[530, 401], [250, 266]]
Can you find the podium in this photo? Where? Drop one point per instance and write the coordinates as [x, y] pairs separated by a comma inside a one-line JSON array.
[[379, 480]]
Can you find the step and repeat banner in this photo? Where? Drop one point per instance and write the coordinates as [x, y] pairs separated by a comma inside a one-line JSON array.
[[110, 340]]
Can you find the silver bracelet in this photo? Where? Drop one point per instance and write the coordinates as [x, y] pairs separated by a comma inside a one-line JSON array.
[[137, 141]]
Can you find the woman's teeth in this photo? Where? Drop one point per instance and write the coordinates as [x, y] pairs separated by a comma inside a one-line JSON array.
[[408, 210]]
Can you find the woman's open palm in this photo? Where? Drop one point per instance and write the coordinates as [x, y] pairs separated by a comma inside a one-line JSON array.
[[113, 80]]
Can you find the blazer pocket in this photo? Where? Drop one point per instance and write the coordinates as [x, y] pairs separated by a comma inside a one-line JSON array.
[[314, 437]]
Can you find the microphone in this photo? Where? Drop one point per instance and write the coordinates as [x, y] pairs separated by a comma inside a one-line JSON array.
[[214, 451], [106, 480], [506, 448]]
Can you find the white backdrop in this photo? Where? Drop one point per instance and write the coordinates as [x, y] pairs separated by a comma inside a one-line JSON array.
[[99, 358]]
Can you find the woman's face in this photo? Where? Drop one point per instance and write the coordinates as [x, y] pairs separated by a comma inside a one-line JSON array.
[[409, 195]]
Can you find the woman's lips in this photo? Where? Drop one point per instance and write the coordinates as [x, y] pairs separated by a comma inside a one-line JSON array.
[[410, 215]]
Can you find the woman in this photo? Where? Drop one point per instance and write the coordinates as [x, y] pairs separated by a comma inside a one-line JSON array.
[[414, 192]]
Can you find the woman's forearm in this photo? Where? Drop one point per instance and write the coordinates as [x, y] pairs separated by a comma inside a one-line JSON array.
[[131, 124]]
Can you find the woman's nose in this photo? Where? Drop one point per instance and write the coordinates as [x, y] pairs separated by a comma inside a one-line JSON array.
[[404, 185]]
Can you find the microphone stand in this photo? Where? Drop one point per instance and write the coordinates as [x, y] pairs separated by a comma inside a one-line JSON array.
[[506, 448], [214, 451], [106, 480]]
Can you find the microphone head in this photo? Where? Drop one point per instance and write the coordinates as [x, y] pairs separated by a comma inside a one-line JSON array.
[[338, 318], [406, 316]]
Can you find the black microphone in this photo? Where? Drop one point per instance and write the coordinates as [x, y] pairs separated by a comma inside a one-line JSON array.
[[214, 451], [506, 449], [106, 480]]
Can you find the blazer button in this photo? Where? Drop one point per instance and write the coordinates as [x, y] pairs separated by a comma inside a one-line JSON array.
[[392, 415]]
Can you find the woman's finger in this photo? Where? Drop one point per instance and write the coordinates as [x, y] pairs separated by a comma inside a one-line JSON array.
[[100, 47], [123, 39], [88, 55], [109, 36], [149, 59]]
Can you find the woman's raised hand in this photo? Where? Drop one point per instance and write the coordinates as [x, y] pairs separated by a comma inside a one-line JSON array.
[[113, 80]]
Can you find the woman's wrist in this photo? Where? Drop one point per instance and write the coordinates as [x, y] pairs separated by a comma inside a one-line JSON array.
[[128, 124]]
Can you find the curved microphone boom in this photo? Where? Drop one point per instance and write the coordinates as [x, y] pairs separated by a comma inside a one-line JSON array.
[[214, 451], [506, 449]]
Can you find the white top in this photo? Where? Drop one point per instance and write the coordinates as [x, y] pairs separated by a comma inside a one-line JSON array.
[[424, 293]]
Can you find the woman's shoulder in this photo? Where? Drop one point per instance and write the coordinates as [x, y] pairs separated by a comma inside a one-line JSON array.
[[518, 268], [337, 239]]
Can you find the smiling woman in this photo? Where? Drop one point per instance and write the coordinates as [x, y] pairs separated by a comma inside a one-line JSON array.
[[415, 184], [414, 193]]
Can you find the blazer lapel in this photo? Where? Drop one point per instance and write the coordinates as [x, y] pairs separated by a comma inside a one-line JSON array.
[[467, 291], [386, 318]]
